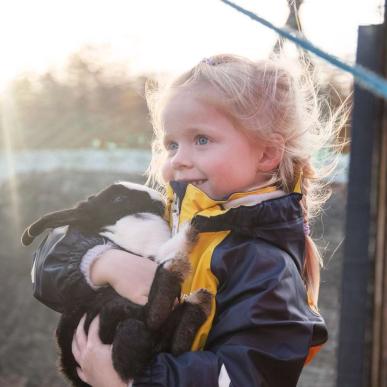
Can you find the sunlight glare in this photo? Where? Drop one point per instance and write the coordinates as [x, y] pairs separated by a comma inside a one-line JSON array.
[[164, 36], [7, 122]]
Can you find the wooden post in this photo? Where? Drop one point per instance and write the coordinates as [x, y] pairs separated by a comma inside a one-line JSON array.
[[379, 338], [363, 293]]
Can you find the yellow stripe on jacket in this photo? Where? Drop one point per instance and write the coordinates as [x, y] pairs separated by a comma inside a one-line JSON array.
[[202, 277]]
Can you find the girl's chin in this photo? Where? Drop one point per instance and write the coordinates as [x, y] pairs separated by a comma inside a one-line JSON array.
[[204, 188], [209, 192]]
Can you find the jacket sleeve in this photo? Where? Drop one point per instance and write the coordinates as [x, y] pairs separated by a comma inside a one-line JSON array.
[[262, 330], [56, 275]]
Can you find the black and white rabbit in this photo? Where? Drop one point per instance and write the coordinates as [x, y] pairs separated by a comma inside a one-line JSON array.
[[131, 216]]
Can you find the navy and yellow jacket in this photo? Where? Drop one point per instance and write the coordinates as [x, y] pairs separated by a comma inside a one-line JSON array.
[[261, 330]]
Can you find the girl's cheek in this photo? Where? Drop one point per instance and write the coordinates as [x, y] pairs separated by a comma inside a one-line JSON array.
[[167, 171]]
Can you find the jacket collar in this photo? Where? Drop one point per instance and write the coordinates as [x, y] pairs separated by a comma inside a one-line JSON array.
[[265, 213], [192, 201]]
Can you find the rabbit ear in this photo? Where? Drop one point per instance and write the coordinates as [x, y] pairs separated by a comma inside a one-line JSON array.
[[51, 220]]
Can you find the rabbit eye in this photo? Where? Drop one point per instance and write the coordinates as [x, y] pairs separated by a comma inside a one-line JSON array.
[[119, 199]]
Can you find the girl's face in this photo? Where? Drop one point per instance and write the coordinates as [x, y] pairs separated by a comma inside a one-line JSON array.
[[205, 149]]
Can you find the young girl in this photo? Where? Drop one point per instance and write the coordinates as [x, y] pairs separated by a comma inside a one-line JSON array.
[[234, 140]]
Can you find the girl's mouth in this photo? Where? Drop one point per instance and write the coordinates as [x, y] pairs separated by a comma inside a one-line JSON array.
[[196, 183]]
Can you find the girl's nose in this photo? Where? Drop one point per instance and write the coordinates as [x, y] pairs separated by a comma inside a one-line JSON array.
[[181, 159]]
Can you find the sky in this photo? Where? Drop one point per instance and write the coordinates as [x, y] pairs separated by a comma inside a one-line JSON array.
[[164, 35]]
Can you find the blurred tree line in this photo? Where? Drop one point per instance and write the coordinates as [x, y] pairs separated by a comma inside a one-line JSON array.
[[90, 104]]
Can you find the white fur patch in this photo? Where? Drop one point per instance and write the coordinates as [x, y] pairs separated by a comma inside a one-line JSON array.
[[224, 380], [139, 187], [142, 235], [193, 298], [178, 243]]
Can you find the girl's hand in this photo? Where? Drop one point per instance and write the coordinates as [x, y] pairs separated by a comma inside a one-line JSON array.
[[131, 276], [94, 358]]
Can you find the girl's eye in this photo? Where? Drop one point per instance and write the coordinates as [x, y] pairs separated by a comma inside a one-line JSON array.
[[202, 140], [172, 146]]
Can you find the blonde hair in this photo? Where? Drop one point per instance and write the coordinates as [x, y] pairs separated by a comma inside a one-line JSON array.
[[265, 98]]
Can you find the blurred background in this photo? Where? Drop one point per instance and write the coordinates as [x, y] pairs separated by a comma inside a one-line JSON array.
[[73, 119]]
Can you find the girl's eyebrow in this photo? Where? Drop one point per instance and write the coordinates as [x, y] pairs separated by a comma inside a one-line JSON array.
[[190, 131], [166, 138]]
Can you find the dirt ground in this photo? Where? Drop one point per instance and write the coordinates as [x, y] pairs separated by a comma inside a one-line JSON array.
[[27, 349]]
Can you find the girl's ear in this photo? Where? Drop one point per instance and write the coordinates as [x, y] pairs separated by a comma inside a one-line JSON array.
[[272, 153]]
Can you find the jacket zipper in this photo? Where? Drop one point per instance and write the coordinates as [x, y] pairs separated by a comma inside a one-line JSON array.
[[175, 215]]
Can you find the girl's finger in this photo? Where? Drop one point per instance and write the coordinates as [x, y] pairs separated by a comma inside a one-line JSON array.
[[75, 350], [80, 332], [81, 375], [94, 330], [79, 340]]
